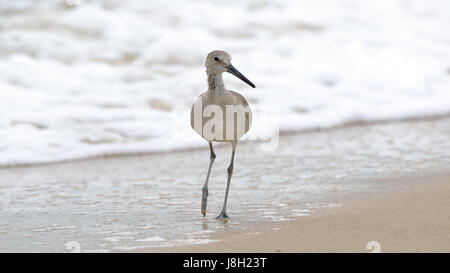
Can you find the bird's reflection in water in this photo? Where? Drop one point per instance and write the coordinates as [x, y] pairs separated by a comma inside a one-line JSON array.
[[204, 224], [223, 222]]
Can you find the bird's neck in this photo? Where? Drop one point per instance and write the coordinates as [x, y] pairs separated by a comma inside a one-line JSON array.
[[215, 83]]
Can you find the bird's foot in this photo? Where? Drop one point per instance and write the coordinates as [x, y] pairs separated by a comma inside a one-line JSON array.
[[222, 215], [204, 200]]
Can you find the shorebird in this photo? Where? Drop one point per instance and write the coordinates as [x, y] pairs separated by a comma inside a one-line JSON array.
[[220, 115]]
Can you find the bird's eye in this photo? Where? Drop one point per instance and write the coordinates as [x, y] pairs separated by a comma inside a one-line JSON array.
[[216, 59]]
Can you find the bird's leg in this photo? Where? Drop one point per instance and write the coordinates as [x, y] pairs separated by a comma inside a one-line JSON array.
[[223, 214], [205, 186]]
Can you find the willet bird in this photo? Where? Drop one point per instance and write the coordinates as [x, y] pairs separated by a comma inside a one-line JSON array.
[[220, 115]]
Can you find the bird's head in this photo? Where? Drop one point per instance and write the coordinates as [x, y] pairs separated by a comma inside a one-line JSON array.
[[219, 61]]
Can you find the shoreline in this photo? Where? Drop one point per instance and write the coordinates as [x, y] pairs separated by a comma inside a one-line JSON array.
[[412, 220], [150, 203]]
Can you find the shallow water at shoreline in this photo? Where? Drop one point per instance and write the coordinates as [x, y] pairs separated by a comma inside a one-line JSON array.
[[147, 201]]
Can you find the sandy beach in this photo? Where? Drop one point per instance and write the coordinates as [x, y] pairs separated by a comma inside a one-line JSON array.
[[348, 148], [320, 191], [414, 220]]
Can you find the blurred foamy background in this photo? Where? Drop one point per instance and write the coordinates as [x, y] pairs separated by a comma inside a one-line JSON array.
[[84, 78]]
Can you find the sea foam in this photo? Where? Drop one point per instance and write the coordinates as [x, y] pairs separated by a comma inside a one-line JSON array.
[[102, 78]]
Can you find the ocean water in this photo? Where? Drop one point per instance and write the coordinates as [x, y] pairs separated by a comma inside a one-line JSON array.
[[82, 78], [131, 203]]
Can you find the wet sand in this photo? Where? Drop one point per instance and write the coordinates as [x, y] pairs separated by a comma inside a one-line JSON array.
[[414, 220], [311, 188]]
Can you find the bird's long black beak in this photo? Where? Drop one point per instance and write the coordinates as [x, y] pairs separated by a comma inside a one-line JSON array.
[[232, 70]]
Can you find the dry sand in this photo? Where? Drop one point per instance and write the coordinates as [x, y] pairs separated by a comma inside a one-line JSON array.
[[415, 220]]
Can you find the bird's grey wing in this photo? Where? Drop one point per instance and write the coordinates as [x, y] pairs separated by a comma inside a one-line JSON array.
[[243, 101]]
